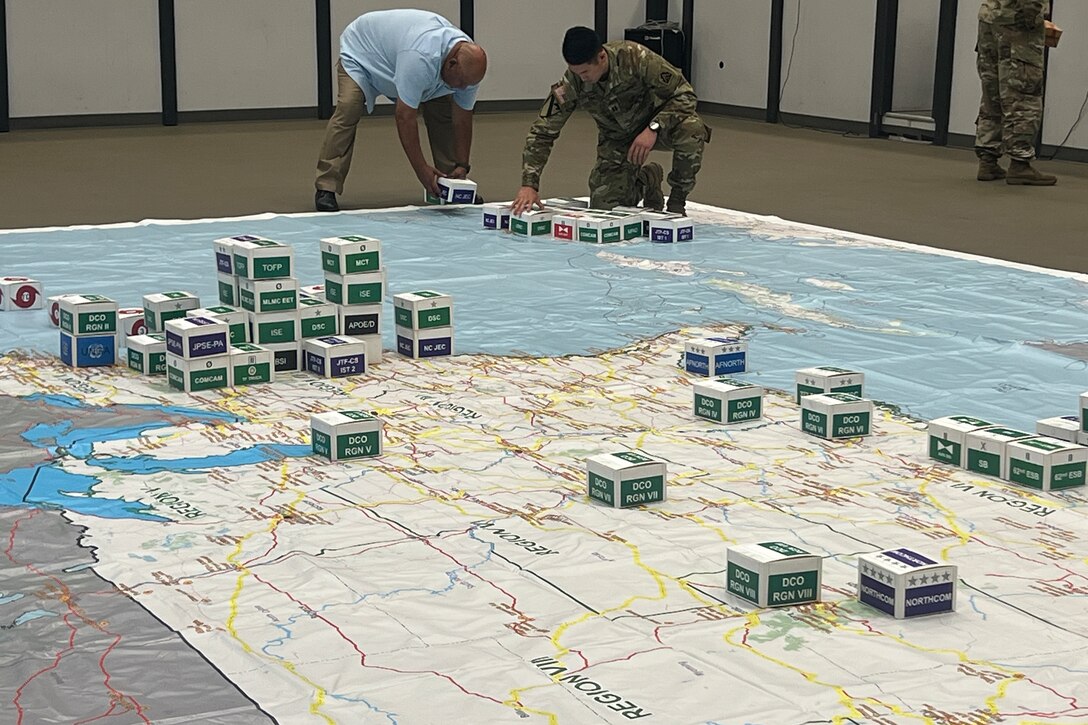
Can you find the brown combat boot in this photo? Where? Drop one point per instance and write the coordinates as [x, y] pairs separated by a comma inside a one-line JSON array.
[[1022, 173], [989, 169], [677, 203], [649, 180]]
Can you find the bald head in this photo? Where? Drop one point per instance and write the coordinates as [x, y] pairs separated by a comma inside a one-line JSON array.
[[464, 66]]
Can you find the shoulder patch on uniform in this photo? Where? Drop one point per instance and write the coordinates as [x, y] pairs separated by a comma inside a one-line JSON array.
[[666, 76]]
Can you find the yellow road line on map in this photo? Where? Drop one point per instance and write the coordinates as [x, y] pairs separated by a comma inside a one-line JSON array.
[[319, 692], [515, 698], [752, 620]]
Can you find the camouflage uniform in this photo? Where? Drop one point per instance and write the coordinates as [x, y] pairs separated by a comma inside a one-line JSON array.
[[1010, 66], [640, 86]]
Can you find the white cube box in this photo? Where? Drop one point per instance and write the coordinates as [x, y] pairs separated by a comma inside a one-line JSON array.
[[1063, 427], [422, 310], [345, 435], [568, 203], [367, 288], [496, 216], [359, 320], [229, 289], [317, 318], [147, 354], [350, 254], [21, 293], [1047, 464], [987, 450], [237, 320], [433, 342], [130, 321], [286, 356], [268, 295], [948, 436], [728, 400], [675, 228], [88, 351], [54, 308], [836, 415], [565, 225], [773, 574], [191, 376], [334, 356], [274, 328], [532, 223], [161, 307], [626, 479], [630, 222], [716, 356], [263, 259], [317, 291], [374, 352], [828, 379], [88, 315], [599, 229], [196, 337], [456, 191], [251, 365], [224, 251], [905, 584]]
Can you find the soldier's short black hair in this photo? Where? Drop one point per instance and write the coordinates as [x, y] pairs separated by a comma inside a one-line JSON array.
[[581, 45]]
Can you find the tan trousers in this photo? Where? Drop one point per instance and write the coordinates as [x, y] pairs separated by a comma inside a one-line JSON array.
[[335, 160]]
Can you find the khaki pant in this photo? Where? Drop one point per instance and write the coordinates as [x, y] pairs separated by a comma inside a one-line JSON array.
[[335, 159], [1010, 66]]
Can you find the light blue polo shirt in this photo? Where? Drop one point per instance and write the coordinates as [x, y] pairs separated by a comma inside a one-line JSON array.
[[399, 54]]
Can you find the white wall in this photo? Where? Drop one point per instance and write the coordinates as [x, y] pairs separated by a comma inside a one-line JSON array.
[[832, 69], [736, 33], [624, 14], [93, 56], [966, 90], [524, 43], [245, 54], [915, 54], [1067, 81]]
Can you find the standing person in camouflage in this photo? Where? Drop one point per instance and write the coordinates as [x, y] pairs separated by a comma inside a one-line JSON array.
[[1010, 66], [640, 102]]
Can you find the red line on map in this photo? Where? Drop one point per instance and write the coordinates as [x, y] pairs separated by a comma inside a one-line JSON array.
[[66, 597], [362, 655], [107, 713], [618, 659]]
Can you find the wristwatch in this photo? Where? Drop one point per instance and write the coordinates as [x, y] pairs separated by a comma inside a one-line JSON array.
[[654, 126]]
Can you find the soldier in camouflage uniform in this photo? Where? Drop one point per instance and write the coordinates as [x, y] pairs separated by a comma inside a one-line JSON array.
[[640, 102], [1010, 65]]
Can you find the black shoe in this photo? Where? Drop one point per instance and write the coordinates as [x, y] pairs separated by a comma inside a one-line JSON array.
[[325, 201]]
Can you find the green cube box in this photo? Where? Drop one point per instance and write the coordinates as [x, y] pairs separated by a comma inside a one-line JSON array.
[[836, 415], [773, 574], [626, 479], [728, 400], [1047, 464], [346, 435]]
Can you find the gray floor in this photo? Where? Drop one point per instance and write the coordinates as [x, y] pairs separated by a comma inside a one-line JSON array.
[[885, 187]]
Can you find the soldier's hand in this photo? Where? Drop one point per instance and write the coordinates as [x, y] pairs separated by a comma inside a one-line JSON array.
[[528, 198], [428, 176], [641, 147]]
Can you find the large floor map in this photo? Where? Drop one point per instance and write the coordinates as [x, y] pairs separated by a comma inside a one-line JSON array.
[[172, 558]]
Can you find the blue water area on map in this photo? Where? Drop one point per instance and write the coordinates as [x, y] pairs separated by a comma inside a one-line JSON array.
[[935, 335], [52, 485], [241, 457], [32, 615], [5, 598]]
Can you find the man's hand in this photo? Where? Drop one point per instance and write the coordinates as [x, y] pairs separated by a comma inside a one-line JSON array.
[[458, 172], [428, 176], [641, 147], [528, 198]]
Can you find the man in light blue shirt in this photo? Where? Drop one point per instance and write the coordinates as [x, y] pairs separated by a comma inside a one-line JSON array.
[[422, 62]]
